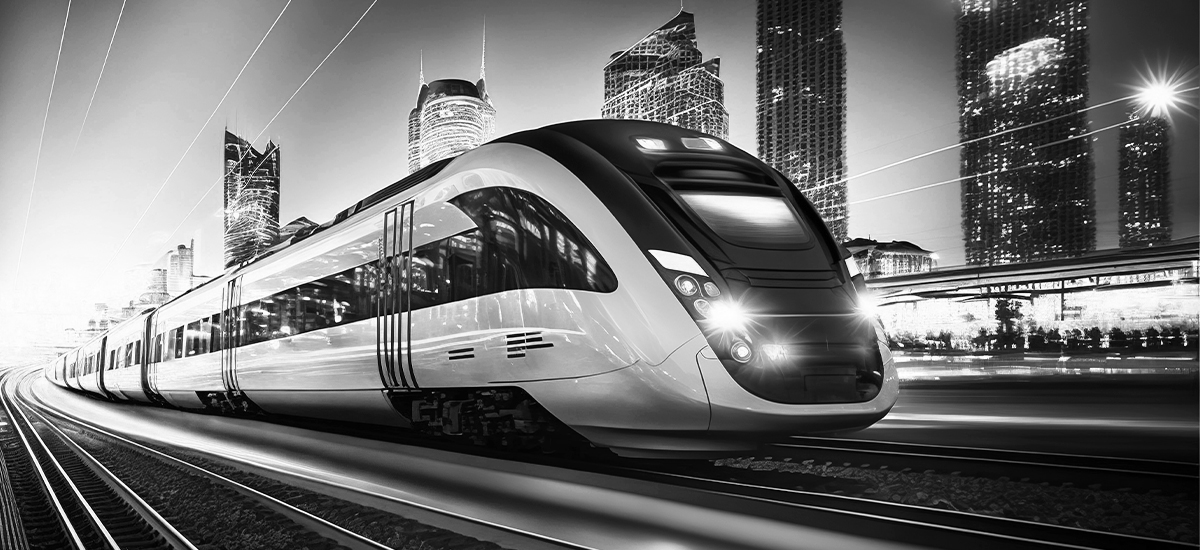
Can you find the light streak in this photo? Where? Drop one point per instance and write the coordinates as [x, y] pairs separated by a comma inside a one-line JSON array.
[[193, 143], [992, 173], [38, 161], [102, 66], [970, 141], [285, 104]]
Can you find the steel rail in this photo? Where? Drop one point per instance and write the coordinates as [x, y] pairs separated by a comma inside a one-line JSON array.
[[320, 481], [851, 448], [178, 539], [45, 479], [1014, 451], [910, 514], [288, 509]]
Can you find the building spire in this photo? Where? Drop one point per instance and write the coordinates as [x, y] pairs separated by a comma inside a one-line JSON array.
[[483, 58], [422, 71]]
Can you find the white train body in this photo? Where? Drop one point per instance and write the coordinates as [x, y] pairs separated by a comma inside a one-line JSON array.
[[540, 271]]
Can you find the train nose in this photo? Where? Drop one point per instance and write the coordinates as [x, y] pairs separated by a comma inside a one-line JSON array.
[[801, 359]]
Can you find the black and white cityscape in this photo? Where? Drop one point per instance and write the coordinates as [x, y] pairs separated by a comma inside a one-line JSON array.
[[764, 274]]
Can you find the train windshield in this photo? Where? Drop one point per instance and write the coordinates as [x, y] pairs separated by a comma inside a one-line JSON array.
[[754, 221]]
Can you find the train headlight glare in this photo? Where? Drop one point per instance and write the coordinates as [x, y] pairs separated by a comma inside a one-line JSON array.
[[703, 307], [686, 285], [711, 289], [740, 351], [651, 144], [727, 316], [774, 352]]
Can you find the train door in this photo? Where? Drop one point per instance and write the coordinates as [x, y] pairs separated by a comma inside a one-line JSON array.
[[150, 354], [392, 300], [231, 319]]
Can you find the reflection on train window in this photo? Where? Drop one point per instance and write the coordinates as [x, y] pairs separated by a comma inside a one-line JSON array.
[[331, 301], [178, 339]]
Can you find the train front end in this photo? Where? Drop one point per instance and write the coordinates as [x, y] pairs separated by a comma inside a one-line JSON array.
[[786, 345]]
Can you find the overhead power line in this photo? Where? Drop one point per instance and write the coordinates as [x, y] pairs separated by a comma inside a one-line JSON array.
[[277, 113], [190, 145], [38, 161], [102, 66]]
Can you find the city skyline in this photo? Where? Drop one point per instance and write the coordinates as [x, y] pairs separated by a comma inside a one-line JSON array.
[[345, 130]]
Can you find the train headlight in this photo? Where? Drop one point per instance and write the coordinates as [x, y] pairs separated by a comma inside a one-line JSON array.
[[774, 352], [740, 351], [727, 316], [687, 285], [703, 307], [710, 288]]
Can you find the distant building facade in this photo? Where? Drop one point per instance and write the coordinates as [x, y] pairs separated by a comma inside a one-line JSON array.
[[251, 199], [451, 117], [1145, 181], [801, 101], [663, 78], [1027, 193], [876, 259], [180, 264]]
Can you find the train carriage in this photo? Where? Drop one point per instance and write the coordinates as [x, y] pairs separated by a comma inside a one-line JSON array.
[[656, 290]]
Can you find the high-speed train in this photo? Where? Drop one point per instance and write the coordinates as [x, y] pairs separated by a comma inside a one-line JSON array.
[[650, 288]]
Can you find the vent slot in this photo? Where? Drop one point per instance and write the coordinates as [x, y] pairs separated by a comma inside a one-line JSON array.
[[461, 353], [517, 343]]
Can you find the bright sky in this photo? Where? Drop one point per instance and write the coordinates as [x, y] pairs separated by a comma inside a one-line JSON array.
[[343, 135]]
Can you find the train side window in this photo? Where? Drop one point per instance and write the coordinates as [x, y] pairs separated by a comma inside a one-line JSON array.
[[178, 339], [256, 321], [158, 348], [137, 352], [214, 338], [112, 360], [525, 231]]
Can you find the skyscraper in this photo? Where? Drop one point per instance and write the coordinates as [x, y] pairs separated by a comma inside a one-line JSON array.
[[1145, 181], [451, 116], [801, 100], [661, 78], [1027, 192], [180, 264], [251, 199]]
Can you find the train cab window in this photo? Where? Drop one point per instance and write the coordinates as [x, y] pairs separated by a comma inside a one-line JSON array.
[[754, 221]]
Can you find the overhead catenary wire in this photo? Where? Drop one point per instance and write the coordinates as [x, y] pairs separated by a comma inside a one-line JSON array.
[[994, 172], [120, 247], [277, 113], [975, 140], [102, 66], [38, 160]]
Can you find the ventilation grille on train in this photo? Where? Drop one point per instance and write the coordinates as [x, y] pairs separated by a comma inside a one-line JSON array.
[[462, 353], [517, 342]]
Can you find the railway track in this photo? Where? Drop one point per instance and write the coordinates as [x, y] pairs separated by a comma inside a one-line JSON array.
[[905, 523], [91, 499], [768, 498], [345, 524], [1094, 472]]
